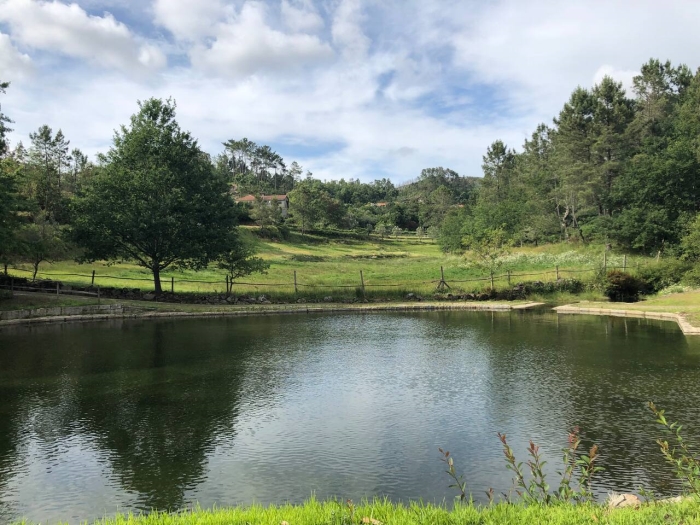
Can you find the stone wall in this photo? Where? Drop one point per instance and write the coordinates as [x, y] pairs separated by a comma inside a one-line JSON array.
[[61, 311]]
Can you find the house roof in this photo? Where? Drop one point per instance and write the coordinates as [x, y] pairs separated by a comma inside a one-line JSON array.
[[251, 198]]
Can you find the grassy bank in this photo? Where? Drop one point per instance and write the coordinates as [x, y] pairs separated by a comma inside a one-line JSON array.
[[331, 266], [385, 513], [686, 303]]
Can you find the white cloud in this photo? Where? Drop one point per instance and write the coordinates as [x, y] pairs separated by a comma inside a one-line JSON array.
[[189, 19], [300, 19], [347, 30], [247, 45], [13, 64], [394, 86], [538, 52], [68, 29]]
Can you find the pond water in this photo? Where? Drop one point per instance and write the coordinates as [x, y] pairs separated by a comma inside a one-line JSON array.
[[134, 415]]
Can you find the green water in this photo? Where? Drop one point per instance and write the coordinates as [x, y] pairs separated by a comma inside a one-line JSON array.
[[96, 418]]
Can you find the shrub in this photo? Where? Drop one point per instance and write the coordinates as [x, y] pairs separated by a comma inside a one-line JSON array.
[[692, 277], [622, 287], [662, 275]]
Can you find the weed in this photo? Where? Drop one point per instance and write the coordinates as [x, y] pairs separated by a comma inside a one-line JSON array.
[[685, 462]]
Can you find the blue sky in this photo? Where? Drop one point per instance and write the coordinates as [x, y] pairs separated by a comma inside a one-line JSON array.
[[349, 88]]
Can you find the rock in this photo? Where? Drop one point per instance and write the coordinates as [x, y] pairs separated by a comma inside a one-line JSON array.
[[328, 299], [262, 298], [410, 297], [231, 299], [618, 501], [301, 301]]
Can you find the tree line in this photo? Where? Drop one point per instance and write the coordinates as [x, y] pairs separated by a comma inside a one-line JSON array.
[[610, 168]]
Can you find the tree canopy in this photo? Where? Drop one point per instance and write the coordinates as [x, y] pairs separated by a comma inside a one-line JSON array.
[[156, 200]]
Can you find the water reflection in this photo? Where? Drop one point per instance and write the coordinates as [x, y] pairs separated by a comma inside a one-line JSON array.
[[141, 415]]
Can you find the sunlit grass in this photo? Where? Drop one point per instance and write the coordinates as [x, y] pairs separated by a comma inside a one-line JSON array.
[[331, 266], [385, 513]]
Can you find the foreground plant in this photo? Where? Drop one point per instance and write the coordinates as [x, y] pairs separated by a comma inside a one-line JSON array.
[[686, 463], [576, 480]]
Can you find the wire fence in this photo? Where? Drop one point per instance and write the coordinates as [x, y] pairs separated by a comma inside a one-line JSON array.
[[54, 281]]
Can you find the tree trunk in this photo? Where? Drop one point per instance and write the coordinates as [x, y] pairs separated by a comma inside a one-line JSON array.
[[36, 270], [5, 269], [156, 280]]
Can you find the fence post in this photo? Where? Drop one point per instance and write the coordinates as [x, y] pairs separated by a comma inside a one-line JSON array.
[[557, 272], [295, 282], [624, 263], [362, 281], [58, 289], [92, 282], [172, 285]]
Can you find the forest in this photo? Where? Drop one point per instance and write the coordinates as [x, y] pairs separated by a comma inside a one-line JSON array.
[[613, 168]]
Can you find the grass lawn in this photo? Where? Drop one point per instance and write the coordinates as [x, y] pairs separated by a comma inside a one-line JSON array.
[[326, 266], [686, 303], [385, 513]]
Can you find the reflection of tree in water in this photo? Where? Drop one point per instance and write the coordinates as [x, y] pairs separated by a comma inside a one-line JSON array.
[[159, 423], [156, 397]]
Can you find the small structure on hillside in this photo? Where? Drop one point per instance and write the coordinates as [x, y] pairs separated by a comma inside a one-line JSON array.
[[280, 200]]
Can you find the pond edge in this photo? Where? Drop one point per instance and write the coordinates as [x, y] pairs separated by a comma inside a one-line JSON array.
[[685, 326], [121, 314]]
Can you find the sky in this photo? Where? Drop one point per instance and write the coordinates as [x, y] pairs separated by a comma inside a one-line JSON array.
[[354, 89]]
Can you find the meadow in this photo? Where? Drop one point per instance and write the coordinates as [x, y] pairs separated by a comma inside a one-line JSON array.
[[331, 266]]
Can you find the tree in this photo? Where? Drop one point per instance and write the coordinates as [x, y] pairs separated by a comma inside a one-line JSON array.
[[157, 200], [302, 203], [690, 244], [9, 204], [239, 260], [382, 229], [266, 214], [4, 120], [42, 241], [488, 251]]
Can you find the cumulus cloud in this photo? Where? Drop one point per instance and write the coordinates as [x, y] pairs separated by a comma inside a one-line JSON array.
[[302, 18], [373, 89], [13, 64], [347, 30], [68, 29], [538, 52], [247, 44], [189, 19]]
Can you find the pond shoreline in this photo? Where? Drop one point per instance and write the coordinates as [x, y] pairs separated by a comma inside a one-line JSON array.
[[135, 313], [683, 324]]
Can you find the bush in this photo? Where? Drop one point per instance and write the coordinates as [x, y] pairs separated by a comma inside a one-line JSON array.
[[658, 276], [692, 277], [622, 287]]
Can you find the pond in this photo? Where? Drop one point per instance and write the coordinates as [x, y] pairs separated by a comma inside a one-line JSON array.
[[135, 415]]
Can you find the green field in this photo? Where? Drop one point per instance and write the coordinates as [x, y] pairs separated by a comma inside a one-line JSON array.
[[331, 266], [385, 513]]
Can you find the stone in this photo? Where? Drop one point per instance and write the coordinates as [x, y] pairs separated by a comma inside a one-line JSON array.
[[410, 297], [301, 301], [618, 501], [328, 299], [149, 297]]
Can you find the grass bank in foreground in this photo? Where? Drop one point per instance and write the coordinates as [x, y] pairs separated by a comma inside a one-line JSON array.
[[385, 513]]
